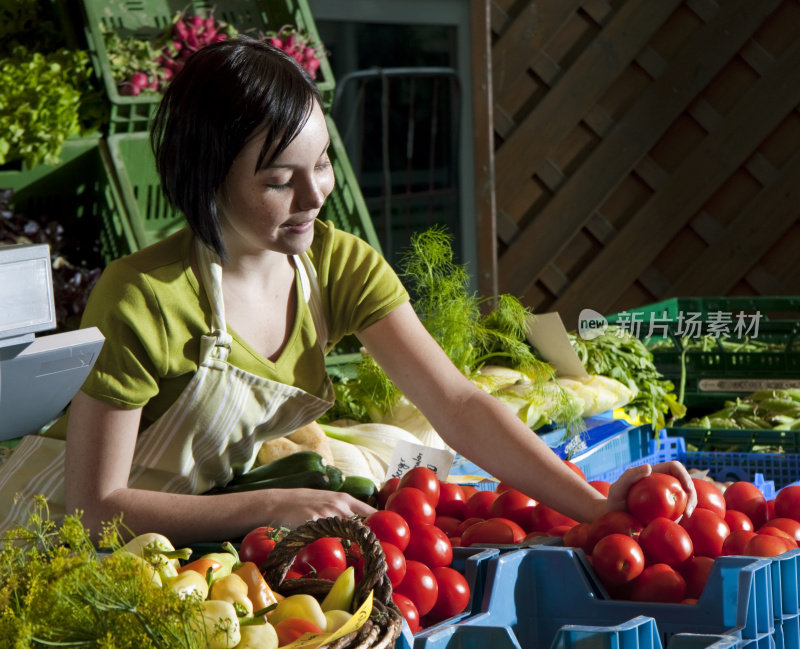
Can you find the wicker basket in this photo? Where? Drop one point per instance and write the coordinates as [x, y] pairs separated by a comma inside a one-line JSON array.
[[385, 622]]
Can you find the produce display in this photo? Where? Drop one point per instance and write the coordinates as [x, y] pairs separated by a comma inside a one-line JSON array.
[[762, 410], [141, 65], [47, 93]]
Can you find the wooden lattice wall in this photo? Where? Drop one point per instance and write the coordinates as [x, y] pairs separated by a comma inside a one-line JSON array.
[[644, 149]]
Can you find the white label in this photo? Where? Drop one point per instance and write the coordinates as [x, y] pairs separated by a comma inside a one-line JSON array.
[[746, 385], [408, 455]]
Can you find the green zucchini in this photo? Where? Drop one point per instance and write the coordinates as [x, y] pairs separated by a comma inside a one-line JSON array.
[[284, 466], [359, 487], [300, 480], [335, 477]]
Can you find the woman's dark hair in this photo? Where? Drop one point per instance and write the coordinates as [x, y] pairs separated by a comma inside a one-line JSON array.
[[224, 93]]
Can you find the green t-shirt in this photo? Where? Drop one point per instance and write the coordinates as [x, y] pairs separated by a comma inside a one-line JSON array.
[[152, 312]]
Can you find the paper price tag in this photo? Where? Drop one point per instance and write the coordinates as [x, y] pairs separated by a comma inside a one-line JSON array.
[[408, 455]]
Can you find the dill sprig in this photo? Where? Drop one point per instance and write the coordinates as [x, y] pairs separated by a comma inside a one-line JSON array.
[[58, 590], [452, 315]]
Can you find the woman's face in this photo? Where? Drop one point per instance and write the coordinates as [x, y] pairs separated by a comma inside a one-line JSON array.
[[275, 209]]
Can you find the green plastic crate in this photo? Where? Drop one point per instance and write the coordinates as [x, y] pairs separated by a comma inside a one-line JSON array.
[[145, 19], [715, 375], [70, 192]]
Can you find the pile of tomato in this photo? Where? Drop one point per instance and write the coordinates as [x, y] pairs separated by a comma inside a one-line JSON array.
[[419, 554], [655, 552]]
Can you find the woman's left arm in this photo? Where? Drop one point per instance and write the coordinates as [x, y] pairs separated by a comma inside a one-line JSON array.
[[483, 429]]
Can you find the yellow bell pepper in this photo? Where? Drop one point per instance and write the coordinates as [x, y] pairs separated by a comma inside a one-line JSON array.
[[340, 596], [258, 636], [219, 624], [232, 588], [228, 559], [189, 583], [258, 591], [158, 551]]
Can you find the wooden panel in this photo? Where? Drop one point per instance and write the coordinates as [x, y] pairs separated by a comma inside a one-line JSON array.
[[646, 150]]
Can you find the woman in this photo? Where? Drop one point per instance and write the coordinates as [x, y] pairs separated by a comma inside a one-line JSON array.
[[215, 337]]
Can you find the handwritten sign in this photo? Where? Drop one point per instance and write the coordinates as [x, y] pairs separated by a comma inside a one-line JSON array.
[[408, 455]]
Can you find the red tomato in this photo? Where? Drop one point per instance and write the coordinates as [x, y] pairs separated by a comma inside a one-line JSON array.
[[776, 531], [737, 520], [771, 509], [695, 572], [469, 522], [386, 490], [395, 563], [559, 530], [707, 530], [578, 537], [448, 524], [545, 518], [429, 545], [766, 545], [514, 505], [664, 541], [389, 526], [502, 486], [578, 471], [709, 496], [407, 610], [601, 485], [327, 552], [291, 628], [617, 559], [788, 525], [658, 583], [453, 594], [330, 573], [424, 479], [413, 505], [451, 500], [745, 497], [419, 585], [610, 523], [736, 542], [355, 557], [493, 531], [478, 504], [658, 495], [468, 490], [787, 502], [258, 543]]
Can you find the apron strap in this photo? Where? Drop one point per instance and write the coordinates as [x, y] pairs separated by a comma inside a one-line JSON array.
[[313, 296]]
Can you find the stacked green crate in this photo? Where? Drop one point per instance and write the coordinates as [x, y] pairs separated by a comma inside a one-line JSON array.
[[146, 19], [720, 348]]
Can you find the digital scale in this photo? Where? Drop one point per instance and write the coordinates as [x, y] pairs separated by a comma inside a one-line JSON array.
[[38, 375]]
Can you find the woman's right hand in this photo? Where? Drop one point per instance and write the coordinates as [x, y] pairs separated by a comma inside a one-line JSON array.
[[293, 507]]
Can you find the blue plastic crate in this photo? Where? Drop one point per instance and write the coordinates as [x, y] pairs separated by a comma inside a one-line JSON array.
[[736, 600], [456, 636], [703, 641], [607, 450], [785, 578], [768, 471], [472, 562], [787, 633], [639, 633]]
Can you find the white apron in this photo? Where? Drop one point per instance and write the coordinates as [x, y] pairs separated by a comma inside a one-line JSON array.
[[212, 432]]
